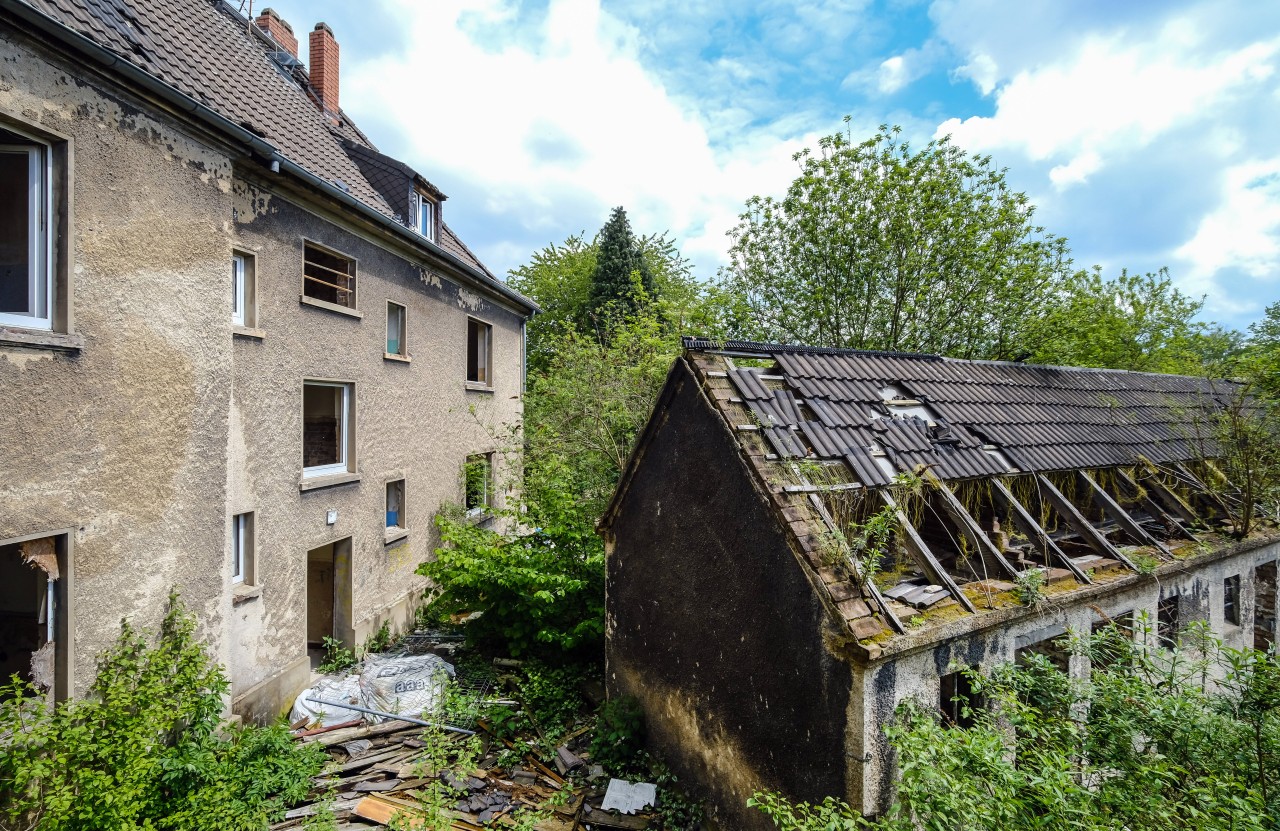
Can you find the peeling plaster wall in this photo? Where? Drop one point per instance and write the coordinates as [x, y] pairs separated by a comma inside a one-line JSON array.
[[415, 421], [125, 442], [713, 625], [166, 424], [886, 684]]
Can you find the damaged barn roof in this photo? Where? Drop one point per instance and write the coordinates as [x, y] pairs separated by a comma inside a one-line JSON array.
[[986, 470]]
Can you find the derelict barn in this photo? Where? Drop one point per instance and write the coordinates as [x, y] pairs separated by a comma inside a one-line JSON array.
[[768, 644]]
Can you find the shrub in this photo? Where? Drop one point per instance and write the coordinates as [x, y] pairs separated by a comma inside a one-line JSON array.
[[619, 736], [147, 748]]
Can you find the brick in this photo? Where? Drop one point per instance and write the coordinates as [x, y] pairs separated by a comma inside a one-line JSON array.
[[853, 608]]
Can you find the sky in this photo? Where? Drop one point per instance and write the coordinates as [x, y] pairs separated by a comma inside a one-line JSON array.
[[1144, 132]]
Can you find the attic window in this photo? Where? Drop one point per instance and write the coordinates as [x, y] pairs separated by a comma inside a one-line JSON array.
[[425, 215]]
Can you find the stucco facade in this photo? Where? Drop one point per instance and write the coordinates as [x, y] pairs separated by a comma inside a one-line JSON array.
[[145, 420]]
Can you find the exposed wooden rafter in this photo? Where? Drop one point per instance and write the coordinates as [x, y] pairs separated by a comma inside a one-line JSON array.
[[1080, 524], [923, 556], [1027, 524], [864, 580], [1114, 510], [967, 525]]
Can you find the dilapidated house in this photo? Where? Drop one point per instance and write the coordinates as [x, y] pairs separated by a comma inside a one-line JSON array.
[[768, 643], [242, 353]]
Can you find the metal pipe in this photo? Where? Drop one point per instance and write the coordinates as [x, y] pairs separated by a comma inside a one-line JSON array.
[[394, 716]]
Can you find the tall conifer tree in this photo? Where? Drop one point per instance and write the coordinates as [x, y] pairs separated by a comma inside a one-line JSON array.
[[622, 282]]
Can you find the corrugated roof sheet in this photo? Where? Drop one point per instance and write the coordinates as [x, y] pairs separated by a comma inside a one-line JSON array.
[[1042, 418]]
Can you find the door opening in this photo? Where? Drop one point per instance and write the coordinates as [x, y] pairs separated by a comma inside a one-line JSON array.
[[329, 597], [31, 616]]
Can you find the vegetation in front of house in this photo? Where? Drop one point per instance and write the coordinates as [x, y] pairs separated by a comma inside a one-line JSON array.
[[147, 748], [1149, 742]]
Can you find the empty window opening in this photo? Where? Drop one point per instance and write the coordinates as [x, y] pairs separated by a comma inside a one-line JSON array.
[[1231, 600], [326, 428], [1167, 622], [242, 549], [395, 504], [26, 275], [1055, 649], [958, 699], [328, 598], [396, 320], [328, 276], [243, 293], [1111, 639], [479, 352], [1264, 606], [32, 616], [478, 483], [425, 210]]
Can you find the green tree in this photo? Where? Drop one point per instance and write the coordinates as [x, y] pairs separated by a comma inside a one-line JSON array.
[[879, 246], [1137, 322], [1262, 356], [622, 283]]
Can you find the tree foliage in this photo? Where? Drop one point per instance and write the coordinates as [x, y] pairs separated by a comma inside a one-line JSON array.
[[880, 246], [143, 750], [621, 283], [1150, 742], [1136, 322]]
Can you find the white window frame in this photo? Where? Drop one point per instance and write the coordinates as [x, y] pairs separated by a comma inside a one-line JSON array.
[[237, 289], [343, 464], [486, 501], [40, 241], [241, 547], [403, 311], [424, 220]]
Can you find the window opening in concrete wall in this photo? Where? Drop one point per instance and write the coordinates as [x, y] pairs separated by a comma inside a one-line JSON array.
[[242, 548], [1055, 649], [479, 351], [1264, 606], [395, 504], [478, 483], [958, 699], [396, 320], [33, 613], [26, 275], [425, 210], [328, 597], [1106, 649], [243, 290], [326, 428], [328, 276], [1167, 622], [1231, 600]]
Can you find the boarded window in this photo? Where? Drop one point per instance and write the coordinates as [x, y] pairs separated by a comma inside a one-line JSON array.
[[328, 276]]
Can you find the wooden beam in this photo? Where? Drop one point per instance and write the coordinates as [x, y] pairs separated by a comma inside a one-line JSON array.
[[1168, 495], [864, 580], [924, 557], [1153, 507], [1027, 524], [1114, 510], [967, 525], [1195, 482], [1082, 526]]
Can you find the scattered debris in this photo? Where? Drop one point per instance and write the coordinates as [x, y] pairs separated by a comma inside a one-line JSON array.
[[629, 797]]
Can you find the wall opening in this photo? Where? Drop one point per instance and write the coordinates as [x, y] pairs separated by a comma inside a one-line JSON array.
[[1264, 609], [34, 629], [329, 597]]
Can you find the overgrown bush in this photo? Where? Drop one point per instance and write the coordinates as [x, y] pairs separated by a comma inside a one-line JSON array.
[[147, 748], [1149, 743], [619, 736]]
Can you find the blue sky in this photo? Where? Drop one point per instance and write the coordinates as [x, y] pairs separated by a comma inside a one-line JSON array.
[[1145, 132]]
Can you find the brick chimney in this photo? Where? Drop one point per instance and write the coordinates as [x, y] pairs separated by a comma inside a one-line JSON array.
[[324, 67], [279, 31]]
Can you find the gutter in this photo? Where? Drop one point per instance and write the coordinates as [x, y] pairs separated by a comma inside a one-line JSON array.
[[258, 145]]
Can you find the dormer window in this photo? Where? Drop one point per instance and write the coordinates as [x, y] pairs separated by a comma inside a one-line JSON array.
[[424, 220]]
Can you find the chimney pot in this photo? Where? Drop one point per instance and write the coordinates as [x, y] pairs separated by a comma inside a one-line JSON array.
[[324, 67], [278, 29]]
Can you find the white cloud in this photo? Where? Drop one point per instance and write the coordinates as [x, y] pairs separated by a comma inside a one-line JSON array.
[[561, 117], [1243, 231], [982, 70]]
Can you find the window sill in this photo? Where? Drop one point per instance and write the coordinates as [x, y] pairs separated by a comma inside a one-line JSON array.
[[41, 339], [330, 307], [479, 516], [311, 483], [479, 386], [389, 356], [396, 534], [243, 593], [248, 332]]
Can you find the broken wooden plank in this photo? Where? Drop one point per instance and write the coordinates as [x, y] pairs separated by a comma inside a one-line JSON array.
[[1026, 523], [966, 524], [1079, 523], [1113, 509], [924, 557]]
